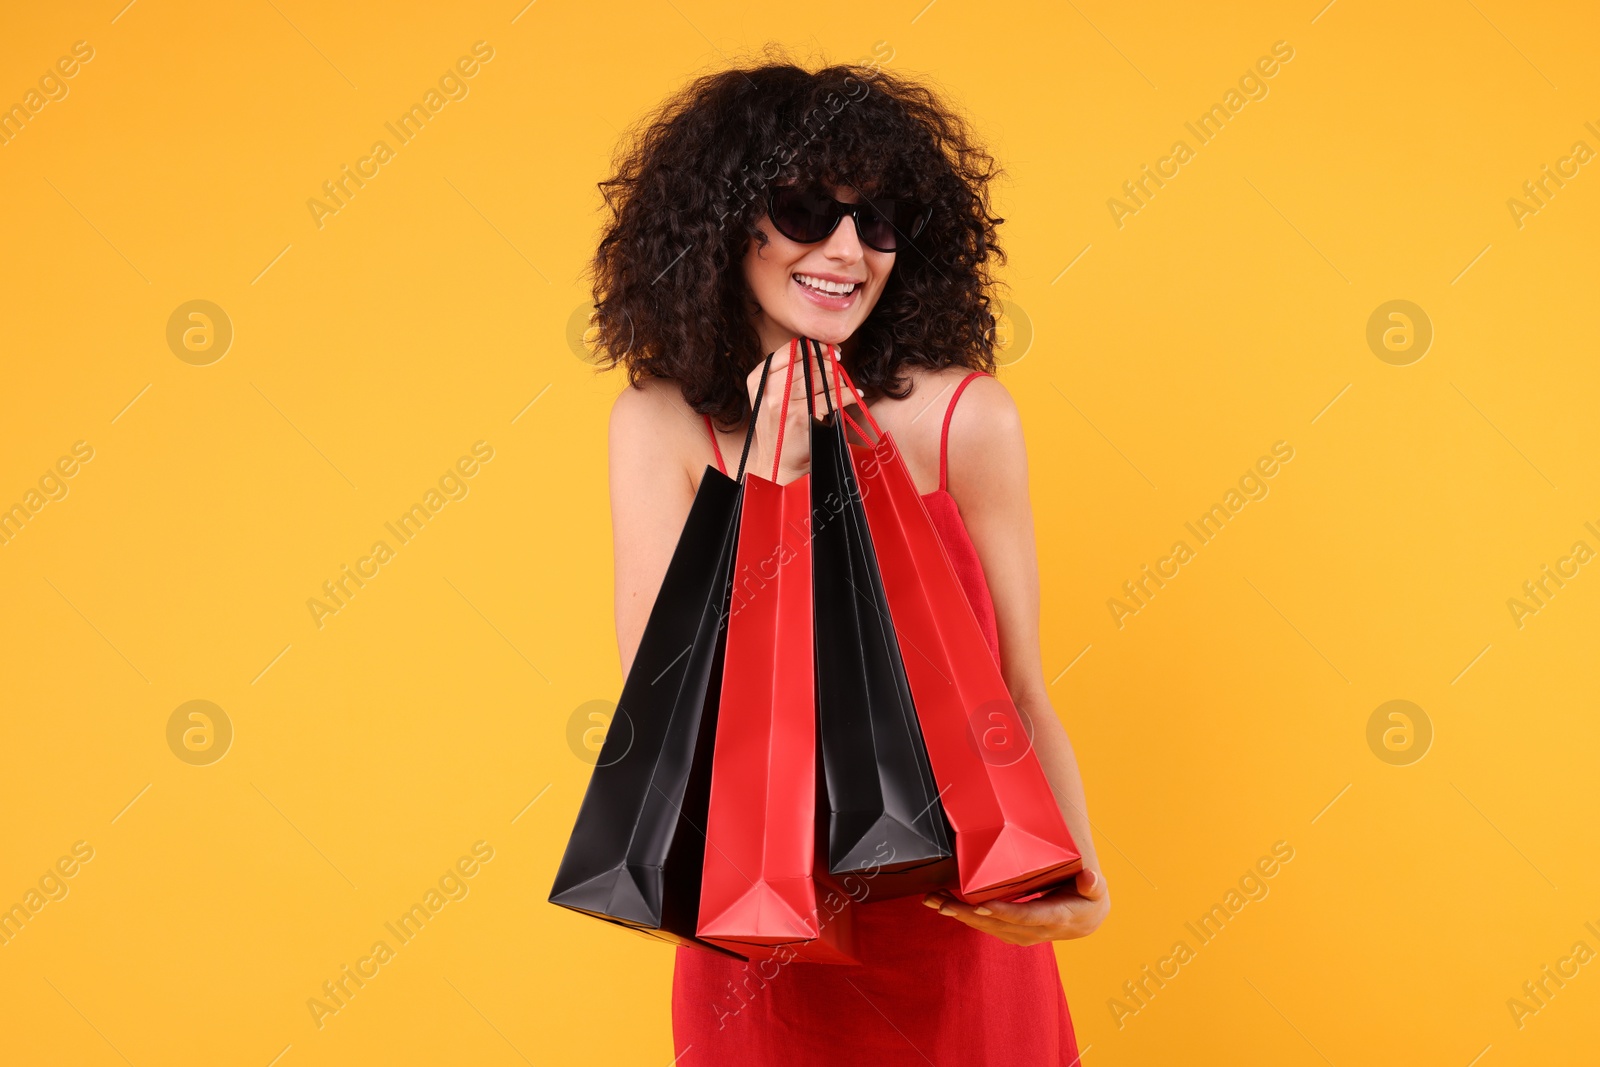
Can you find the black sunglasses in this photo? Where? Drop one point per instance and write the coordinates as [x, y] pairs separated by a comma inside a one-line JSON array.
[[808, 215]]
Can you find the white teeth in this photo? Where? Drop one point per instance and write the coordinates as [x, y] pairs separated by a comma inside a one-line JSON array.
[[822, 285]]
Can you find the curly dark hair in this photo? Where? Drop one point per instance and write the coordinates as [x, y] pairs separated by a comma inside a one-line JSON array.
[[690, 186]]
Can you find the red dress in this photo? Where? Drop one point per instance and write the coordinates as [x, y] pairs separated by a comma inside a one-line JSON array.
[[929, 990]]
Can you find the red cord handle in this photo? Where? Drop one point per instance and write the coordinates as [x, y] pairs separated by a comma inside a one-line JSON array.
[[783, 423], [840, 377]]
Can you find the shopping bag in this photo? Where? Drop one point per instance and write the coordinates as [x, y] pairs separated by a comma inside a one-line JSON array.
[[1010, 837], [886, 826], [762, 894], [636, 852]]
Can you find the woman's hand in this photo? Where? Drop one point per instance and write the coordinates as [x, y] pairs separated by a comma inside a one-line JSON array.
[[1076, 910], [790, 411]]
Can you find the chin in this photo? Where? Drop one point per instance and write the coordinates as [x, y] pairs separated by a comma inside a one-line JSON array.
[[830, 337], [824, 330]]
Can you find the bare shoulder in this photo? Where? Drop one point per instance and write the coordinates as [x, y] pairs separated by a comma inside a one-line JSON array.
[[986, 447], [987, 412], [651, 424], [978, 425], [644, 404]]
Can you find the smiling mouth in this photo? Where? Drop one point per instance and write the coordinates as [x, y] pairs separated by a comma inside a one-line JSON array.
[[823, 287]]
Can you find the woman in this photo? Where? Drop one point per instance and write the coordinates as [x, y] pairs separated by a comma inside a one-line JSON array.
[[849, 206]]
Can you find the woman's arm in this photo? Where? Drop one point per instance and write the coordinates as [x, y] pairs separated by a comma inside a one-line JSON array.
[[650, 499], [988, 475]]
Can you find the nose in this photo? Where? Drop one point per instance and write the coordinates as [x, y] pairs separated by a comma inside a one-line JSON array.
[[844, 243]]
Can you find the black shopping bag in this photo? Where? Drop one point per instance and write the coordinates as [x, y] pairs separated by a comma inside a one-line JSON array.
[[637, 849], [886, 824]]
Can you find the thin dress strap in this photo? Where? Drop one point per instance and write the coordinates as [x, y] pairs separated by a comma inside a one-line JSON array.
[[712, 430], [944, 434]]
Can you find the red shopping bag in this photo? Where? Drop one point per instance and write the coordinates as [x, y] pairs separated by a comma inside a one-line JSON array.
[[1010, 837], [765, 890]]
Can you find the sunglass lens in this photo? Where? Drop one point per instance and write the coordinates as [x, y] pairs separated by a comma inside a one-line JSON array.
[[887, 224], [877, 229], [803, 216]]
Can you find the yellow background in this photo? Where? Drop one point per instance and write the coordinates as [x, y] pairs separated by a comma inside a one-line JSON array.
[[430, 712]]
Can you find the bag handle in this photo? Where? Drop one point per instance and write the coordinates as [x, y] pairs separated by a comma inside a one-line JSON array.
[[755, 407], [840, 377], [805, 347], [808, 348], [783, 424]]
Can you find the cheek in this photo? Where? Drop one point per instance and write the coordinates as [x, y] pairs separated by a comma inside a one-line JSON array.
[[775, 280], [882, 267], [760, 269], [767, 268]]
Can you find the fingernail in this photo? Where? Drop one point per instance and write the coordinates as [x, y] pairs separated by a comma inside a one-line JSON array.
[[982, 911], [946, 910], [1094, 879], [930, 902]]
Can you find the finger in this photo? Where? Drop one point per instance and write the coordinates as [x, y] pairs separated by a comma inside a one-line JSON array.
[[1029, 914], [1008, 932], [798, 392], [779, 358], [787, 378], [975, 914], [826, 387], [1064, 906], [1091, 884], [967, 913], [843, 393], [769, 395], [823, 389], [1062, 909]]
